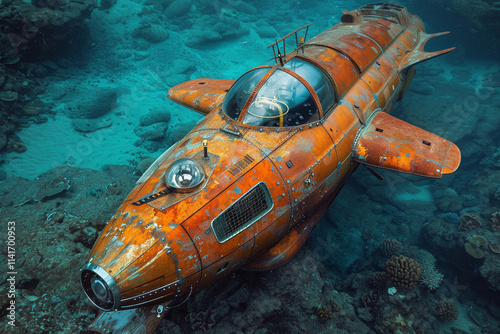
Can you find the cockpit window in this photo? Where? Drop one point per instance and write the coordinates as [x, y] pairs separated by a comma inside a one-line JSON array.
[[238, 94], [282, 101], [316, 78]]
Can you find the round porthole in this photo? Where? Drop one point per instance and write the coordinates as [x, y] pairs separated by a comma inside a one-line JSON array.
[[184, 175]]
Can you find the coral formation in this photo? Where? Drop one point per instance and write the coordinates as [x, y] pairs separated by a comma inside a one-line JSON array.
[[452, 218], [469, 222], [447, 310], [370, 299], [35, 32], [470, 200], [473, 250], [324, 313], [32, 31], [473, 246], [430, 277], [390, 247], [447, 200], [377, 280], [495, 221], [403, 271], [494, 248], [400, 218]]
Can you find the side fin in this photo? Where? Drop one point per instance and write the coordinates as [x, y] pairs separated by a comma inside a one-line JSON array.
[[285, 249], [418, 55], [201, 95], [391, 143]]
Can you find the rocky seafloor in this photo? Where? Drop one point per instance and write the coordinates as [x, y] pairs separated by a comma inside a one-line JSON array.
[[340, 282], [446, 232]]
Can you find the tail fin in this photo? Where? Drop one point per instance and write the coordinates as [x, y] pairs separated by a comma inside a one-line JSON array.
[[418, 55]]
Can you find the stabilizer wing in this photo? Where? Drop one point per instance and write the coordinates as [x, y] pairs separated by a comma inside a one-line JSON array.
[[391, 143], [201, 95], [418, 55]]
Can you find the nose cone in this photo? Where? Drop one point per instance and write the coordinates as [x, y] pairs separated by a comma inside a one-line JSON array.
[[100, 287], [135, 261]]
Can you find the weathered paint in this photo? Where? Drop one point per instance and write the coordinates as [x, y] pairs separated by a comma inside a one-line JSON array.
[[164, 249], [381, 144]]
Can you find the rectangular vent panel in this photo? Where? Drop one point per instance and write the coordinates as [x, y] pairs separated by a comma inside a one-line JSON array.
[[241, 165], [244, 212]]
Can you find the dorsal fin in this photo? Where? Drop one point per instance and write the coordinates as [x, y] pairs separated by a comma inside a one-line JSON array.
[[391, 143], [201, 95], [418, 55]]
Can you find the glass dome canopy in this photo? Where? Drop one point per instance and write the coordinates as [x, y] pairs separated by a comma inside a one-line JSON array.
[[292, 95]]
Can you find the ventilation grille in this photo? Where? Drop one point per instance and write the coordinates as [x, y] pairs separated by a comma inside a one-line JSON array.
[[244, 212]]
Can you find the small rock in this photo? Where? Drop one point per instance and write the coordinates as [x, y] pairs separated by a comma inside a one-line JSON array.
[[15, 145], [51, 188], [156, 115], [265, 30], [151, 132], [178, 8], [113, 189], [90, 125], [153, 33], [144, 164], [92, 103], [244, 7]]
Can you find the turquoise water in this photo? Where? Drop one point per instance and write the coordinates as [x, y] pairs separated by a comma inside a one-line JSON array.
[[120, 67]]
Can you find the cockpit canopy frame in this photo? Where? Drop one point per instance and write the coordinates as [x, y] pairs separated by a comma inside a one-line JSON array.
[[297, 93]]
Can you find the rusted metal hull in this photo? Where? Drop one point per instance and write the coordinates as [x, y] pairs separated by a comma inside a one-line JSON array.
[[162, 245]]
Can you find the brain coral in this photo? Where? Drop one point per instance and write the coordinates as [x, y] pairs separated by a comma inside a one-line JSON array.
[[403, 271]]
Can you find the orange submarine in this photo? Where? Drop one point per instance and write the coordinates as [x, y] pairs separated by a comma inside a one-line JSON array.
[[244, 188]]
